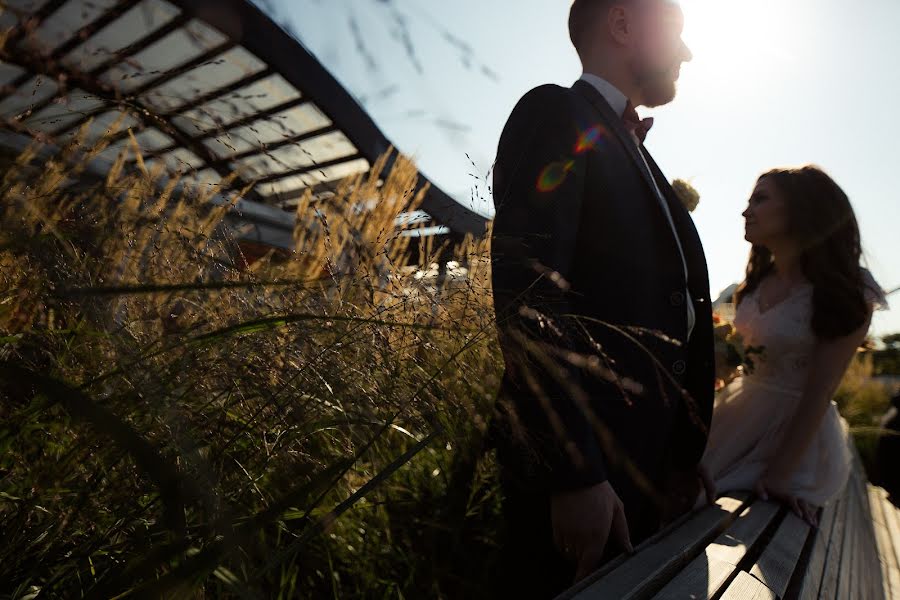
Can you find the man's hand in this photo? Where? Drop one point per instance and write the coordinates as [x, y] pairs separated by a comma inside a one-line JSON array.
[[709, 486], [584, 521], [682, 490]]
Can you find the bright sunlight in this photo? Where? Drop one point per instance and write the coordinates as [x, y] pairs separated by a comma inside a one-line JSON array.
[[735, 40]]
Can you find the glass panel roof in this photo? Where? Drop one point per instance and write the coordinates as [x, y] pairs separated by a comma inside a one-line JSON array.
[[233, 65], [175, 49], [8, 15], [244, 102], [297, 182], [147, 16], [69, 18], [108, 123], [311, 152], [278, 127], [9, 72], [65, 111], [197, 101], [35, 90]]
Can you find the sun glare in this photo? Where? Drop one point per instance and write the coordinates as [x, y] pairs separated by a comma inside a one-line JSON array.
[[736, 38]]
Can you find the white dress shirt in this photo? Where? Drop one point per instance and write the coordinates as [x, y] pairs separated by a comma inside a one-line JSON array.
[[619, 101]]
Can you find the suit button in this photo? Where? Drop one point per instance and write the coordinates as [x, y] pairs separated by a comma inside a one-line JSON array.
[[677, 298], [679, 367]]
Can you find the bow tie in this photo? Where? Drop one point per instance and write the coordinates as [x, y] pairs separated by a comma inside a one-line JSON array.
[[634, 124]]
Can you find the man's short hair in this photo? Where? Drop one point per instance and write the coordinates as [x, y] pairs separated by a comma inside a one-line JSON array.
[[581, 17]]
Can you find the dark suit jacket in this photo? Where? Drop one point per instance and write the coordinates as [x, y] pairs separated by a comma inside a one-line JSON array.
[[580, 231]]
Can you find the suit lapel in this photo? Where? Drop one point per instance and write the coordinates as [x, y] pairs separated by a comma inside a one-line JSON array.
[[684, 225], [614, 123]]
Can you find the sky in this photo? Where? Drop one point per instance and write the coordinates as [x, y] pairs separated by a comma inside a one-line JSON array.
[[773, 83]]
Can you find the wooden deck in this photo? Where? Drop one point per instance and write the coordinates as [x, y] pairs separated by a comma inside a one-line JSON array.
[[744, 549]]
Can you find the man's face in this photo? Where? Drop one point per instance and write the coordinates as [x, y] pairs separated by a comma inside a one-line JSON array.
[[659, 50]]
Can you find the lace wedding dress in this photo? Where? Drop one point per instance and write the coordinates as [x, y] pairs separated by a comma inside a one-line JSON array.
[[751, 415]]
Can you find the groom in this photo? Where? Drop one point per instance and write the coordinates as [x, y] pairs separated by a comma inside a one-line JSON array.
[[603, 310]]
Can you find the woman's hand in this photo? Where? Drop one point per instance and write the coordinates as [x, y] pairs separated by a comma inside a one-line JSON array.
[[768, 487]]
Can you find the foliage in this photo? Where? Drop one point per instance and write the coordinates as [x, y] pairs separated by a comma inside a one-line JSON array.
[[886, 361], [862, 401], [174, 425]]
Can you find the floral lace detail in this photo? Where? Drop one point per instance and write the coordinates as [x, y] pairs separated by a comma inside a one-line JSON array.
[[785, 332]]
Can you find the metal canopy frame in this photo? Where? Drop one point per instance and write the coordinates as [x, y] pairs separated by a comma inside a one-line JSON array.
[[336, 123]]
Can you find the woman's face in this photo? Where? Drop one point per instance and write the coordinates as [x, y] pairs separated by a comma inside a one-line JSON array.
[[766, 217]]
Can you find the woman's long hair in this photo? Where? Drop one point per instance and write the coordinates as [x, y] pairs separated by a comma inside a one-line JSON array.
[[821, 220]]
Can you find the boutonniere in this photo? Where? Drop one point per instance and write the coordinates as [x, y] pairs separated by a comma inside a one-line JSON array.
[[689, 196]]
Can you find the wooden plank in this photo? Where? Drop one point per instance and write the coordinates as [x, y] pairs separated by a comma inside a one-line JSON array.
[[854, 522], [874, 572], [812, 580], [857, 587], [886, 548], [846, 555], [747, 587], [871, 570], [882, 510], [653, 566], [708, 573], [866, 570], [868, 565], [777, 563], [615, 563], [858, 562], [835, 544]]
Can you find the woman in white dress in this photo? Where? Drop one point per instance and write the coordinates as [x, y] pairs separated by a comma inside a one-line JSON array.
[[809, 303]]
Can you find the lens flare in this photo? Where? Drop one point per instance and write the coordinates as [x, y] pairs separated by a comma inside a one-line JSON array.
[[554, 175], [589, 139]]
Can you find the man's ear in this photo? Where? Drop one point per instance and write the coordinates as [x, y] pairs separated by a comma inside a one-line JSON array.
[[617, 21]]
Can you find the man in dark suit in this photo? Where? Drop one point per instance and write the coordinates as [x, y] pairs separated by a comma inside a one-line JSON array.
[[602, 303]]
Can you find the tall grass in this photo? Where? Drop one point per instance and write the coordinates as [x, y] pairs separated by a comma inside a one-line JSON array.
[[862, 401], [174, 425]]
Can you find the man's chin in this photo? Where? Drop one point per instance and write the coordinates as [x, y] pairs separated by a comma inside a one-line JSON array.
[[659, 95]]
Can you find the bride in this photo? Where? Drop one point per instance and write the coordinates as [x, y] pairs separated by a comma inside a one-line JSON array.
[[807, 301]]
